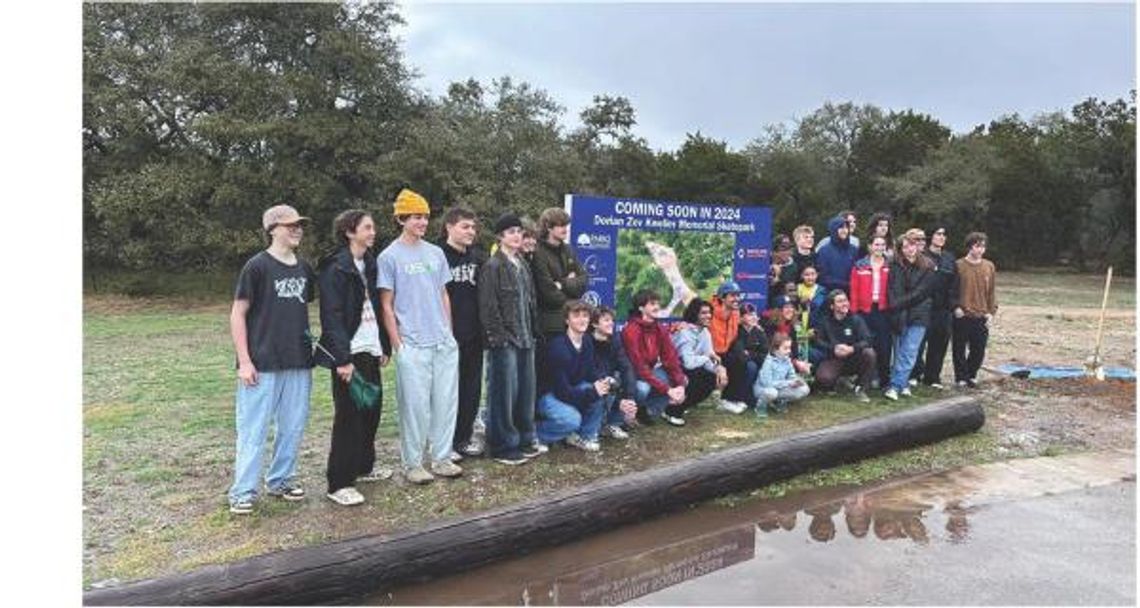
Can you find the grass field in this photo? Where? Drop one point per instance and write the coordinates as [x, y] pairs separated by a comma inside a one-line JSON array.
[[158, 447]]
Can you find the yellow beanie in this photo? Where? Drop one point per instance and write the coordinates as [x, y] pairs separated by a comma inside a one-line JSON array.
[[410, 203]]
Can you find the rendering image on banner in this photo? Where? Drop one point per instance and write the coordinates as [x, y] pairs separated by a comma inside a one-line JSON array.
[[681, 250], [678, 265]]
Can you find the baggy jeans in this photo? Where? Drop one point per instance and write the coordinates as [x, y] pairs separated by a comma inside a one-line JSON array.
[[558, 419], [906, 348], [510, 400], [427, 397], [280, 398]]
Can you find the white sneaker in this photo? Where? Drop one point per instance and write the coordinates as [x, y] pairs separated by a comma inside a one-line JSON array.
[[473, 447], [912, 382], [347, 497], [612, 430], [891, 394], [455, 456], [732, 407], [938, 386], [582, 444], [906, 392], [377, 474]]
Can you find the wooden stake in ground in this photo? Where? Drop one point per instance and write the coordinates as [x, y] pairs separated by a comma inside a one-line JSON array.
[[1094, 366]]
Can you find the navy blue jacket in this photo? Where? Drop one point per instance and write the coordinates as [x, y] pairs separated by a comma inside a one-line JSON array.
[[610, 360], [567, 367], [835, 259]]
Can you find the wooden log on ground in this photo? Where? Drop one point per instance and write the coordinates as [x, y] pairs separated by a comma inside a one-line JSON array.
[[345, 571]]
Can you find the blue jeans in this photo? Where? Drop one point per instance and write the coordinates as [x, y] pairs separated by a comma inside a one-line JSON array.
[[427, 397], [906, 350], [653, 402], [282, 398], [559, 419], [614, 415], [510, 400]]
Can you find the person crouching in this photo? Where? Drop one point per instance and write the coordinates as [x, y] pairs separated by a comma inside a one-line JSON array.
[[778, 383], [573, 403]]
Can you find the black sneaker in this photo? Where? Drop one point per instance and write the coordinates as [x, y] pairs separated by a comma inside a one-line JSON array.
[[673, 420], [288, 492], [536, 448], [643, 417], [511, 458], [972, 383]]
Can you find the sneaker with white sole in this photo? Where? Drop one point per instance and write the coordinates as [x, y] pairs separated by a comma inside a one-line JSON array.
[[346, 497], [906, 392], [377, 474], [891, 394], [418, 475], [455, 456], [861, 395], [673, 420], [288, 492], [612, 430], [535, 449], [732, 407], [242, 507], [473, 448], [912, 382], [938, 386], [577, 441], [446, 468], [960, 384], [512, 459]]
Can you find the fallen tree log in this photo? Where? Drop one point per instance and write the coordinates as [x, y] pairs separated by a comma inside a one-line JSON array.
[[344, 571]]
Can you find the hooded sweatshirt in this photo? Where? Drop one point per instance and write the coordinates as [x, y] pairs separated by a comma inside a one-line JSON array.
[[835, 259]]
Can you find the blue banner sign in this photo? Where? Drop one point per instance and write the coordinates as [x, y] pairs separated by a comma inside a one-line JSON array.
[[681, 250]]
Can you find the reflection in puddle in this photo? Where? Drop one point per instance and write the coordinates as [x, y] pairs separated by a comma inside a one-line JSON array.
[[645, 558]]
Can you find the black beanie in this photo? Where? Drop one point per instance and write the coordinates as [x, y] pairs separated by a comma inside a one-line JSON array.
[[507, 220]]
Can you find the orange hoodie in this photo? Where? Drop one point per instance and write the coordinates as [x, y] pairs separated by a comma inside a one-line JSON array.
[[724, 326]]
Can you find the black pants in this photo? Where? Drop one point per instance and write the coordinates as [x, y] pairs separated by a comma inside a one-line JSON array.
[[882, 340], [932, 351], [353, 449], [970, 333], [701, 385], [737, 388], [863, 363], [470, 390]]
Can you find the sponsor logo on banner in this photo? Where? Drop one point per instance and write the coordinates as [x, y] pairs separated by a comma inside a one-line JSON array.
[[593, 241], [756, 254], [592, 298], [745, 276], [591, 265]]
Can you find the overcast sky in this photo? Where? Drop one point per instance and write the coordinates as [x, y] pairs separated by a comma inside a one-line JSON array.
[[729, 69]]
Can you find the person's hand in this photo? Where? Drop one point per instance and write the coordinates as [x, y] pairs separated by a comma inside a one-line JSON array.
[[397, 344], [715, 358], [628, 409], [676, 395], [721, 376], [989, 318], [383, 360], [798, 382], [802, 367], [558, 286], [959, 313], [344, 372], [843, 350], [247, 373], [602, 386]]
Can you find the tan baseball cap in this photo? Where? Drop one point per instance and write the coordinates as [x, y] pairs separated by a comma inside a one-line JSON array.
[[281, 214]]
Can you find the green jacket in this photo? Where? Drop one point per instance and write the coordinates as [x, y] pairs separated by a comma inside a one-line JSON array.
[[552, 264]]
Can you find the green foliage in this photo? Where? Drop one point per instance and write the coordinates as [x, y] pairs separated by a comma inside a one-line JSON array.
[[705, 261], [196, 117]]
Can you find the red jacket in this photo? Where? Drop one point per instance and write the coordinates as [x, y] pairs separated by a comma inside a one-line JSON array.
[[647, 341], [861, 277]]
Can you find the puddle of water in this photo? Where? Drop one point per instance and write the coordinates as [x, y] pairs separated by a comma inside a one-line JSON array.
[[1060, 371], [645, 558]]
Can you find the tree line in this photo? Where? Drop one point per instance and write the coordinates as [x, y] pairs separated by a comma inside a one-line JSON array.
[[196, 117]]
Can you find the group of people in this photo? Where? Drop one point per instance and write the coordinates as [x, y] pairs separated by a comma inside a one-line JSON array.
[[450, 317]]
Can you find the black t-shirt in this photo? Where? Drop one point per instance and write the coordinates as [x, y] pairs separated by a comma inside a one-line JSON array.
[[463, 293], [277, 324]]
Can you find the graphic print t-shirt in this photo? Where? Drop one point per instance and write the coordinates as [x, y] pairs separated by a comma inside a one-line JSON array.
[[277, 323], [416, 275], [367, 338]]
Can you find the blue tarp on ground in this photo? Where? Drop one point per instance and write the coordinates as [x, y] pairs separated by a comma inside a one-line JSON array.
[[1057, 371]]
